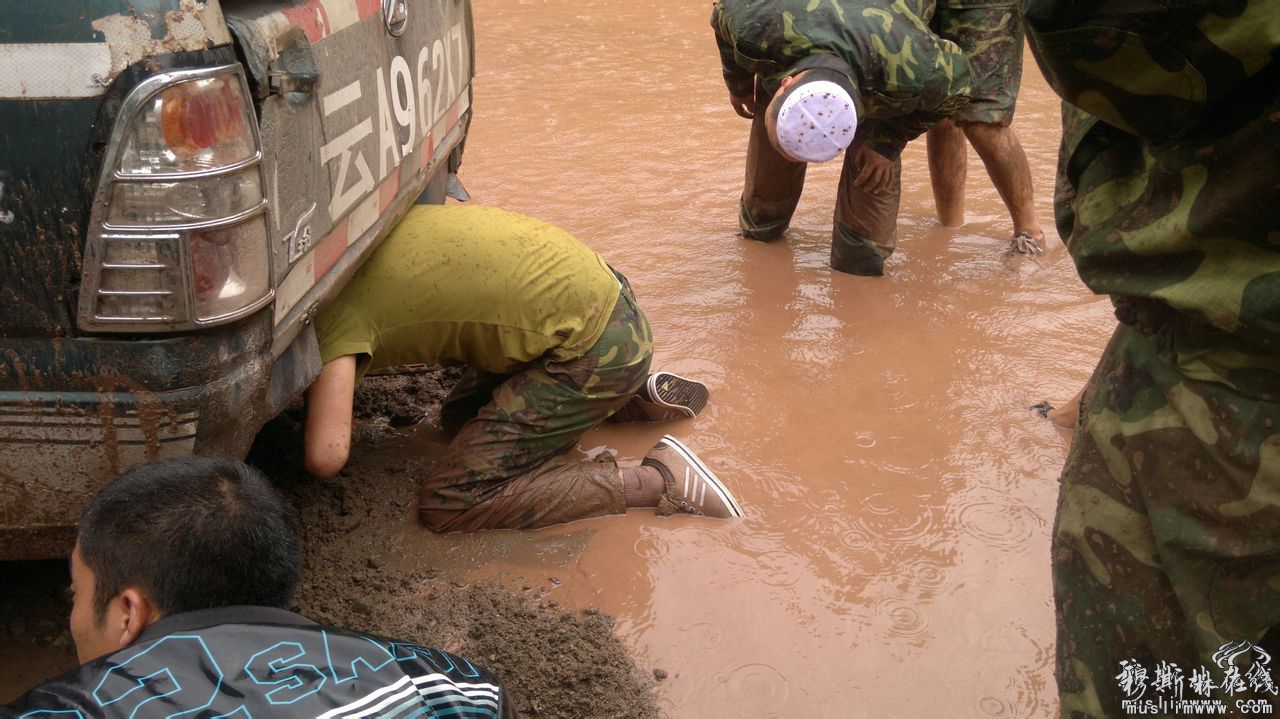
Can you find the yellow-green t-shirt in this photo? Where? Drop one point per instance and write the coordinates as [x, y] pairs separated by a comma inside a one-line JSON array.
[[471, 285]]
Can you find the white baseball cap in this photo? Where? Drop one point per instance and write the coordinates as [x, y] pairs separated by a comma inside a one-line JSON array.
[[816, 122]]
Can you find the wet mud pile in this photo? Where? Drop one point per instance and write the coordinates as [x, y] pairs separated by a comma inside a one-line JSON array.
[[554, 663]]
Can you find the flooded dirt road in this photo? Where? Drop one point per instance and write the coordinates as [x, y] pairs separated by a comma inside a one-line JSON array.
[[899, 491]]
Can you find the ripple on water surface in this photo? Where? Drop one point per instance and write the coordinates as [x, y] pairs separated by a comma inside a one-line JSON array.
[[652, 546], [755, 689], [900, 520], [926, 575], [993, 517], [906, 620], [993, 707]]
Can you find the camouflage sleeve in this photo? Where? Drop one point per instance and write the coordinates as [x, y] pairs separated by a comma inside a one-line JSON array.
[[945, 88], [740, 81], [1167, 172], [890, 137], [1159, 70]]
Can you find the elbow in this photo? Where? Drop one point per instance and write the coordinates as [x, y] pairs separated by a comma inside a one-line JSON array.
[[325, 462]]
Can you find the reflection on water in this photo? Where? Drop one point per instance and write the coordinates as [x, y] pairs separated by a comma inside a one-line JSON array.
[[899, 493]]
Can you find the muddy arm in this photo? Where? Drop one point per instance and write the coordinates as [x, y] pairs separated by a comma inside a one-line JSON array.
[[328, 426]]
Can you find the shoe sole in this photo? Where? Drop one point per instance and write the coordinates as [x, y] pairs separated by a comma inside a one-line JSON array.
[[674, 392], [710, 480]]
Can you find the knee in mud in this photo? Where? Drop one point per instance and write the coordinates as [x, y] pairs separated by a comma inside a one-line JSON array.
[[435, 520]]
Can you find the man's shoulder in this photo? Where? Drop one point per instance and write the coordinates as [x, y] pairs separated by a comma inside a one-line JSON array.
[[837, 9], [797, 28], [283, 665]]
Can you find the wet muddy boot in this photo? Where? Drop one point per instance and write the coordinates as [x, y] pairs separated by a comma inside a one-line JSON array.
[[855, 255], [664, 396], [760, 231], [692, 488]]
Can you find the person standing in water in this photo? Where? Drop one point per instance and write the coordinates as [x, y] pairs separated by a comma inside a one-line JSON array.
[[990, 34], [1166, 545]]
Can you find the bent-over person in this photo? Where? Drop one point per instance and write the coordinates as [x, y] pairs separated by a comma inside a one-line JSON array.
[[817, 78], [554, 343]]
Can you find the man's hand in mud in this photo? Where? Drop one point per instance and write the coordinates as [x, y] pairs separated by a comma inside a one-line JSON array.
[[745, 106], [875, 171]]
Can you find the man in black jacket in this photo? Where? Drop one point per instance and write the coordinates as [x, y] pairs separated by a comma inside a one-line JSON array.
[[182, 574]]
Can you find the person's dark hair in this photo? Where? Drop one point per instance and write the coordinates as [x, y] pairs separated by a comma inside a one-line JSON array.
[[194, 533]]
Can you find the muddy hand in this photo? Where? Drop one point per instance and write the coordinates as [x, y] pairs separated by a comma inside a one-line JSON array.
[[745, 105], [875, 171]]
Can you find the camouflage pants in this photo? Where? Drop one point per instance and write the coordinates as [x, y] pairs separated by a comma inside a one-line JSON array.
[[504, 469], [1166, 544], [865, 229], [990, 34]]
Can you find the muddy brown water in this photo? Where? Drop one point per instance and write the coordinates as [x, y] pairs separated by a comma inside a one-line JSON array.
[[894, 561], [899, 491]]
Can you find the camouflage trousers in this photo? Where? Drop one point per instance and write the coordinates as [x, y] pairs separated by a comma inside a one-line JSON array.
[[505, 468], [990, 34], [1166, 544], [865, 227]]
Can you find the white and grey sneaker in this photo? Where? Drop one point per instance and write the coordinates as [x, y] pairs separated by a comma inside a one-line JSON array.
[[664, 396], [691, 485], [676, 394]]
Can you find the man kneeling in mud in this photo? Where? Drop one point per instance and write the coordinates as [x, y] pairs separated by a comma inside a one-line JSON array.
[[555, 344]]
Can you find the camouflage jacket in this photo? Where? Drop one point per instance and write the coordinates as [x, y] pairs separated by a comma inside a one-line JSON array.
[[903, 72], [1169, 176]]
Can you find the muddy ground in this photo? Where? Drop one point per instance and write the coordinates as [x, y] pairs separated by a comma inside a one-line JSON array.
[[555, 663]]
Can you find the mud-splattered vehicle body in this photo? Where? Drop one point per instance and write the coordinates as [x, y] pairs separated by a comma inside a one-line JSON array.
[[182, 184]]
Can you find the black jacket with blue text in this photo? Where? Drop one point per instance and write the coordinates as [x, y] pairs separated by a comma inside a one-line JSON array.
[[256, 662]]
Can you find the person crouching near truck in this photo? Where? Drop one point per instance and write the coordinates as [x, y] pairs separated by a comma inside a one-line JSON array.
[[555, 344], [182, 577]]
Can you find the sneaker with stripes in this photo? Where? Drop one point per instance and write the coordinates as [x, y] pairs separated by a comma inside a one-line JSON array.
[[664, 396], [691, 485]]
